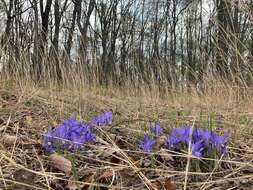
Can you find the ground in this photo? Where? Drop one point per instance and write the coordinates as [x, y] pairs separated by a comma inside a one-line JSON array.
[[114, 160]]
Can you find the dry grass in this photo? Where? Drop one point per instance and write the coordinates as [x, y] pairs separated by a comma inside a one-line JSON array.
[[114, 161]]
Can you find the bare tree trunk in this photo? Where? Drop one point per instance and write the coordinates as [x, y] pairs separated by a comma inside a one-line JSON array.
[[141, 43], [40, 44], [173, 43], [235, 42], [54, 49], [222, 49], [83, 28], [45, 21], [6, 41], [77, 4], [36, 63], [115, 26], [9, 20]]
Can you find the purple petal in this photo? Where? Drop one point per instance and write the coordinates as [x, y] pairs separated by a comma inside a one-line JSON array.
[[197, 148], [147, 144], [156, 129]]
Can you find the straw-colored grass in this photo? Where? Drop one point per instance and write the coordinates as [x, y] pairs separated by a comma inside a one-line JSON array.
[[27, 109]]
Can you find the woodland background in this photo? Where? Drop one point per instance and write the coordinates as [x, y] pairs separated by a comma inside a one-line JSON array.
[[172, 44]]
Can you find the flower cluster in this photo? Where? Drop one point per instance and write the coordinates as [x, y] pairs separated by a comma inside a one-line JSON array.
[[103, 119], [147, 143], [69, 135], [156, 129], [72, 134], [201, 140]]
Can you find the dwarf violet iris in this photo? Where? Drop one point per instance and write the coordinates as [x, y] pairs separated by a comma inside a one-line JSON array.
[[147, 143], [218, 142], [68, 135], [178, 135], [197, 148], [156, 129], [103, 119], [202, 140]]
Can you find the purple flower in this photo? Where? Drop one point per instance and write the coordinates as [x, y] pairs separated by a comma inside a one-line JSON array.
[[104, 119], [202, 140], [69, 135], [147, 143], [81, 136], [201, 134], [178, 135], [172, 141], [218, 142], [156, 129], [96, 121], [61, 136], [197, 148], [48, 140], [107, 117]]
